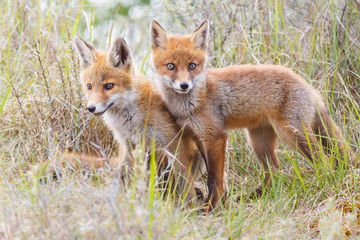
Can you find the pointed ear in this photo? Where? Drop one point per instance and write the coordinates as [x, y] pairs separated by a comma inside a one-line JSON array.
[[119, 54], [86, 52], [159, 36], [200, 36]]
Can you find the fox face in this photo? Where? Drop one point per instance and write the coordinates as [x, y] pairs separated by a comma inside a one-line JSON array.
[[179, 60], [105, 77]]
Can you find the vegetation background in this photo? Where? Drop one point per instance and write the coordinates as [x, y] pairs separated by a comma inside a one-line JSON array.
[[42, 112]]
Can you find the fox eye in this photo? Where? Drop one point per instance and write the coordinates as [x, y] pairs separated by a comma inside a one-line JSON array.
[[89, 87], [109, 86], [192, 66], [170, 66]]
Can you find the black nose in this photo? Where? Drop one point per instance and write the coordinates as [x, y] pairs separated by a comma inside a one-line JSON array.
[[184, 85], [91, 108]]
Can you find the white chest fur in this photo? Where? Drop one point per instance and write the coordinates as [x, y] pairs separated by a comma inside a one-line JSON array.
[[124, 119], [127, 122]]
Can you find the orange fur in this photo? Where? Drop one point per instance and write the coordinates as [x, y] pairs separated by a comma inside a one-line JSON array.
[[269, 101], [78, 162]]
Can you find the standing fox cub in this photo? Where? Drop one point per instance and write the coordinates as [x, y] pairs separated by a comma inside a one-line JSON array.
[[269, 101], [132, 109]]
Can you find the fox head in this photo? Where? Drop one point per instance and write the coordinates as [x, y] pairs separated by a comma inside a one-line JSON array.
[[105, 76], [179, 60]]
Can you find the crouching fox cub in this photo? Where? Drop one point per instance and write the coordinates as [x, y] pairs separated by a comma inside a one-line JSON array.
[[133, 110], [269, 101]]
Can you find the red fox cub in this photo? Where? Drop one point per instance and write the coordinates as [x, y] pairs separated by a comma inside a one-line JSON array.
[[132, 108], [269, 101]]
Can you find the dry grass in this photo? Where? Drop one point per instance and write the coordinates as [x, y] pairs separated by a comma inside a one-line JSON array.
[[42, 113]]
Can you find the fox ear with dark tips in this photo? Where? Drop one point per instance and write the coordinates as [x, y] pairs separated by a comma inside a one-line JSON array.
[[200, 36], [86, 52], [159, 37], [119, 54]]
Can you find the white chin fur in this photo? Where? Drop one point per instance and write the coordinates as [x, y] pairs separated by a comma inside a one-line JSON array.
[[99, 114], [182, 91]]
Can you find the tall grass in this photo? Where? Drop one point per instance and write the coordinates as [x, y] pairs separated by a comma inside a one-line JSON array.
[[42, 112]]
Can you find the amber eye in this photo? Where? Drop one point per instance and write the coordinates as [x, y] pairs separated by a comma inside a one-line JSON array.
[[109, 86], [192, 66], [170, 66], [89, 87]]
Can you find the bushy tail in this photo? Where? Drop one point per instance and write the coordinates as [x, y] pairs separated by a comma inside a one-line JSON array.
[[77, 161], [330, 136]]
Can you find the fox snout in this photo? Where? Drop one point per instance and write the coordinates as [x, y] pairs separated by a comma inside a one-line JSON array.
[[182, 87], [99, 109], [91, 108]]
